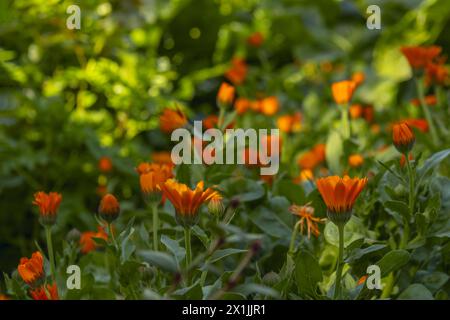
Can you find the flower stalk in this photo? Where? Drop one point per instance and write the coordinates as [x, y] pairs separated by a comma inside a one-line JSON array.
[[426, 111], [337, 286], [51, 256]]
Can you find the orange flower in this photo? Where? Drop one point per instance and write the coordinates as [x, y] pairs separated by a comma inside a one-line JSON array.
[[172, 119], [225, 95], [185, 200], [403, 137], [31, 270], [419, 57], [358, 78], [87, 242], [306, 214], [339, 195], [238, 71], [241, 105], [420, 124], [152, 175], [289, 123], [343, 91], [308, 160], [256, 39], [319, 152], [355, 160], [105, 164], [356, 111], [436, 73], [48, 206], [109, 208], [50, 293], [269, 106]]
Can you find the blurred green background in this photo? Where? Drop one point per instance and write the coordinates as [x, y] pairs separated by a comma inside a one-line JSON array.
[[70, 97]]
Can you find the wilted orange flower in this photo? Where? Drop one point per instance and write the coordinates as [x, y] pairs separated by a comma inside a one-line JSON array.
[[420, 124], [109, 208], [358, 78], [403, 137], [343, 91], [403, 159], [31, 270], [289, 123], [87, 242], [339, 194], [50, 293], [256, 39], [225, 95], [105, 164], [306, 214], [269, 106], [48, 206], [162, 157], [419, 57], [172, 119], [430, 100], [355, 160], [185, 200], [238, 71]]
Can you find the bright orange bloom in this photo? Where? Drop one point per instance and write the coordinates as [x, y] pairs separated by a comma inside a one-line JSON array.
[[256, 39], [420, 124], [225, 95], [31, 270], [403, 159], [87, 242], [403, 137], [105, 164], [109, 208], [172, 119], [238, 71], [419, 57], [356, 111], [269, 106], [48, 206], [306, 214], [185, 200], [152, 175], [355, 160], [162, 157], [50, 293], [358, 78], [339, 194], [289, 123], [343, 91]]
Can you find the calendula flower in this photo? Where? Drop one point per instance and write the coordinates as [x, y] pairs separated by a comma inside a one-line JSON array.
[[50, 292], [355, 160], [289, 123], [215, 205], [87, 242], [237, 72], [306, 215], [225, 95], [109, 208], [48, 206], [343, 91], [419, 57], [358, 78], [105, 164], [256, 39], [185, 200], [31, 270], [319, 151], [403, 137], [339, 195], [151, 175], [269, 106], [172, 119]]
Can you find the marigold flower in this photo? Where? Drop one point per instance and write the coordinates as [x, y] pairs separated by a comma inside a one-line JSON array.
[[355, 160], [48, 206], [306, 214], [403, 137], [256, 39], [289, 123], [358, 78], [87, 242], [339, 195], [185, 200], [105, 164], [225, 95], [109, 208], [237, 72], [269, 106], [419, 57], [48, 293], [172, 119], [31, 270], [343, 91]]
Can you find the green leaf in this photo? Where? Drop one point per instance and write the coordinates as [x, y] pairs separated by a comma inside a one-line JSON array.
[[307, 274], [397, 206], [393, 260], [160, 259], [220, 254], [431, 163], [127, 247], [359, 253], [174, 247], [292, 191], [353, 231], [435, 280], [416, 291], [254, 288]]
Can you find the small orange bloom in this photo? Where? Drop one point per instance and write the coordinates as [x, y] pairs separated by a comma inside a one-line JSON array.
[[355, 160], [436, 73], [419, 57], [172, 119], [87, 242], [256, 39], [31, 270], [48, 206], [105, 164], [306, 214], [238, 71], [49, 293], [241, 105], [109, 208], [308, 160], [403, 137], [225, 95], [356, 111], [358, 78], [289, 123], [152, 175], [269, 106], [343, 91]]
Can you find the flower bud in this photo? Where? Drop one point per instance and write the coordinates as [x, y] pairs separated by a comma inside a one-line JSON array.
[[109, 208]]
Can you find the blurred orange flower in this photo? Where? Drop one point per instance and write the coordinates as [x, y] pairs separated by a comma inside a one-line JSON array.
[[109, 208], [31, 270], [343, 91], [358, 78], [305, 175], [419, 57], [48, 206], [105, 164], [269, 106], [237, 72], [162, 157], [355, 160], [436, 73], [48, 293], [151, 175], [256, 39], [225, 95], [87, 242], [420, 124], [430, 100], [172, 119], [289, 123]]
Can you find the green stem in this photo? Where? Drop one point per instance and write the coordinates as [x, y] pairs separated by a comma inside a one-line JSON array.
[[155, 225], [221, 117], [51, 256], [426, 111], [386, 293], [111, 234], [345, 122], [294, 235], [187, 241], [337, 285], [406, 229]]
